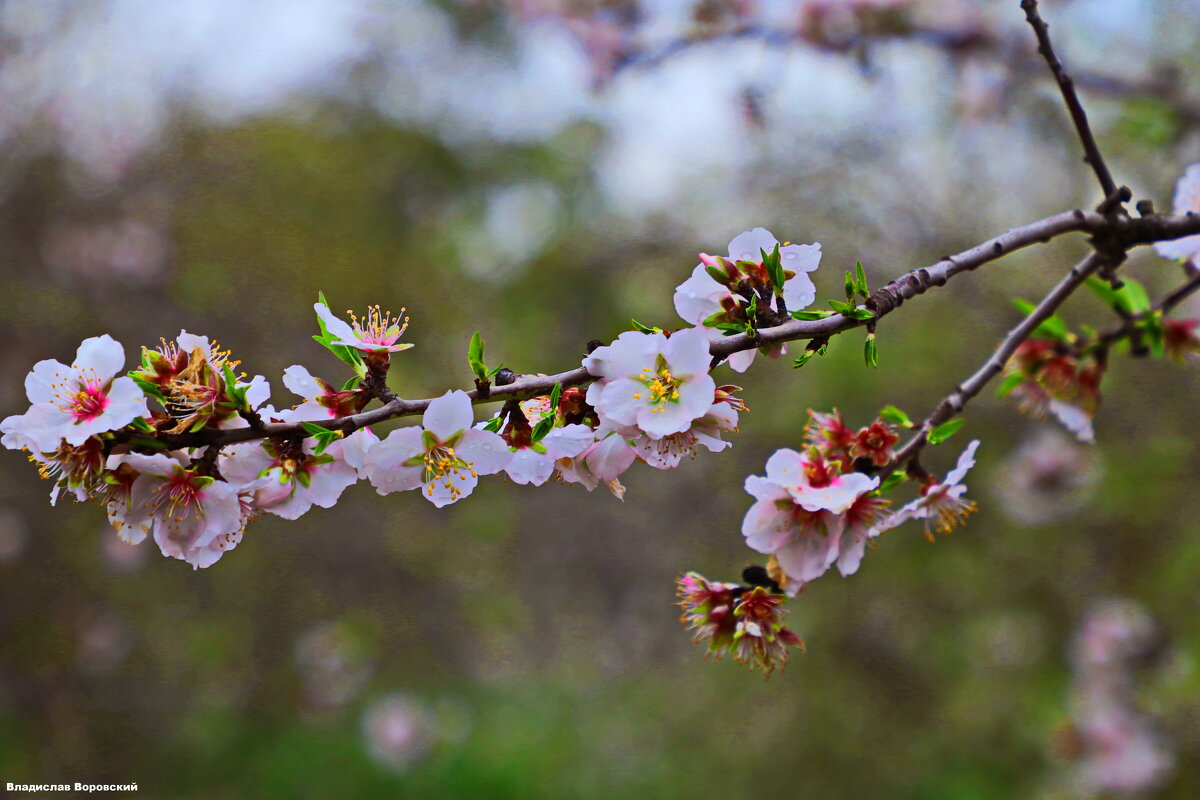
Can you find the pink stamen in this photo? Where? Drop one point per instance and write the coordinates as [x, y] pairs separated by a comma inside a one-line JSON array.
[[88, 403]]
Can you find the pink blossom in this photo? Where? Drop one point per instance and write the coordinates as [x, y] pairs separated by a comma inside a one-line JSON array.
[[376, 331], [73, 403], [800, 514], [941, 505], [296, 478], [701, 296], [191, 516], [603, 461], [444, 456], [534, 464], [649, 381]]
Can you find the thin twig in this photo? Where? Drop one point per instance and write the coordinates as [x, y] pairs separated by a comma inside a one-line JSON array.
[[1067, 87], [1164, 305], [953, 403]]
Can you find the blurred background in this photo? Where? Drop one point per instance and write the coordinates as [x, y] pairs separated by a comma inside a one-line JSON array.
[[543, 171]]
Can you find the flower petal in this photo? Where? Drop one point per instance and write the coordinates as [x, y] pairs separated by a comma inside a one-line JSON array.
[[99, 358], [449, 414], [486, 452], [746, 245]]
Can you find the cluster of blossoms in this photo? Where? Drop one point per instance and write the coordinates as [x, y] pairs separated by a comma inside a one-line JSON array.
[[746, 621], [147, 445], [1114, 744], [1051, 379], [813, 509]]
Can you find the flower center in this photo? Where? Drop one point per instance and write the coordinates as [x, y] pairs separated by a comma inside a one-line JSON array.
[[88, 403], [379, 327], [179, 497], [819, 474], [662, 385], [441, 465]]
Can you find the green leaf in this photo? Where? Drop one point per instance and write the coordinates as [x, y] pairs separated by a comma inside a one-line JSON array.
[[1103, 290], [140, 424], [730, 328], [840, 307], [860, 279], [895, 416], [717, 274], [891, 482], [646, 328], [1152, 328], [774, 267], [851, 287], [860, 314], [148, 388], [544, 426], [1010, 383], [475, 356], [313, 429], [493, 424], [944, 431], [810, 315], [325, 441], [1131, 298], [350, 384], [871, 352], [1134, 297], [804, 358], [555, 396], [1053, 327]]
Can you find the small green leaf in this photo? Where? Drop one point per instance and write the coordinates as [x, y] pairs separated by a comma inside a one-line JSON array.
[[148, 388], [895, 416], [350, 384], [1131, 298], [804, 358], [544, 426], [891, 482], [871, 351], [860, 314], [810, 315], [1152, 328], [717, 274], [1053, 327], [323, 440], [493, 424], [646, 328], [851, 287], [944, 431], [475, 356], [860, 279], [840, 307], [555, 396], [774, 267], [312, 429], [1010, 383], [1134, 297], [140, 424]]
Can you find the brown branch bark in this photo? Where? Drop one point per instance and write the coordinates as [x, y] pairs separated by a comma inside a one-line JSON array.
[[1121, 233]]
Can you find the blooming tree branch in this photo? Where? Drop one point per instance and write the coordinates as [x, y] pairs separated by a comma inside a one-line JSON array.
[[187, 451]]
